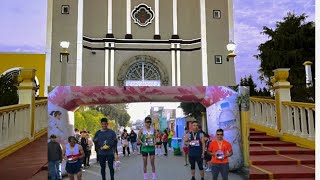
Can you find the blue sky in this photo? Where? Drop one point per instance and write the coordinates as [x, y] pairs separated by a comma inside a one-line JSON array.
[[23, 27]]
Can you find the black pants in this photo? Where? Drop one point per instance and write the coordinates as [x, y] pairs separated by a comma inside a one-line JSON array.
[[165, 144], [86, 158], [124, 150], [194, 159], [102, 160]]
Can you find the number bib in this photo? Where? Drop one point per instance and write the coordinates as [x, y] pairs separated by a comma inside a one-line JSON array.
[[149, 142], [220, 155], [195, 143]]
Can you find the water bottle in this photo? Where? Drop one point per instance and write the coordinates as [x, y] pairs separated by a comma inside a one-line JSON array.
[[228, 122]]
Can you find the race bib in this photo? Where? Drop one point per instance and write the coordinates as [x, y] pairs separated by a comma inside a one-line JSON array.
[[195, 143], [149, 142], [220, 155]]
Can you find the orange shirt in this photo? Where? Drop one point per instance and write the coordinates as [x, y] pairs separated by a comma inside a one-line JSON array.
[[225, 147]]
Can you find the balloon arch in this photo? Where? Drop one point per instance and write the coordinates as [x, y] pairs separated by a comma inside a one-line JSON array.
[[220, 103]]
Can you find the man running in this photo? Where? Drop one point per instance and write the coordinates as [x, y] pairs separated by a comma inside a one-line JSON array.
[[73, 153], [196, 143], [220, 150], [147, 138], [105, 139]]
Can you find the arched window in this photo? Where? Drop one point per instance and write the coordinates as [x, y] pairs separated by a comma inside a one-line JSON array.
[[143, 74]]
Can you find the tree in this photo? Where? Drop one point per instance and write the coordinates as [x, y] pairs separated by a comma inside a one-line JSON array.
[[194, 109], [118, 112], [248, 81], [290, 44], [8, 92]]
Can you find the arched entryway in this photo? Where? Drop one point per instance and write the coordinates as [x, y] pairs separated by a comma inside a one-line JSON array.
[[220, 102], [15, 72], [143, 70]]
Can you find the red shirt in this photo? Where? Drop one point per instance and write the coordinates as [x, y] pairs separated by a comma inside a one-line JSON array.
[[165, 138], [225, 148]]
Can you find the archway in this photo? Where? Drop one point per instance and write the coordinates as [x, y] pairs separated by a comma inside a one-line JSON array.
[[143, 70], [15, 72], [220, 102]]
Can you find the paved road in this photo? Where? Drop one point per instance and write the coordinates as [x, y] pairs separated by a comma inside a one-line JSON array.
[[167, 168]]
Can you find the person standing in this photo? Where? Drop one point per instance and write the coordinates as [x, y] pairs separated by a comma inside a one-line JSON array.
[[90, 144], [158, 143], [147, 138], [73, 153], [195, 141], [125, 142], [220, 150], [207, 156], [85, 147], [185, 147], [170, 140], [105, 139], [165, 141], [133, 141], [54, 158]]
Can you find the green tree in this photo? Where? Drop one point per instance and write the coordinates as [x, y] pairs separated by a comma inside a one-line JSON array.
[[8, 92], [118, 112], [89, 120], [194, 109], [290, 44]]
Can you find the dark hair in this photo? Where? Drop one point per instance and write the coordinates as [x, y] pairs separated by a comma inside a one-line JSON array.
[[75, 129], [206, 135], [83, 132], [220, 130], [88, 132], [52, 112], [104, 120], [72, 137], [194, 122], [56, 113], [165, 131], [185, 128], [53, 136], [147, 118]]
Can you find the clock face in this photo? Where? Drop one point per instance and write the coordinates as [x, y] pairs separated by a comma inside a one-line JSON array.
[[142, 15]]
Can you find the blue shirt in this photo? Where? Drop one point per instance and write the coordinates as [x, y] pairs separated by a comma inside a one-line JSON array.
[[107, 137]]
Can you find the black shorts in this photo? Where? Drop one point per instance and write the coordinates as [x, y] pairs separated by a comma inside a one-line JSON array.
[[145, 154], [196, 159], [158, 143], [207, 157]]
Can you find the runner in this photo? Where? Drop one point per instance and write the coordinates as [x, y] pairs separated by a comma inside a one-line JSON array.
[[85, 146], [147, 138], [125, 142], [170, 140], [158, 143], [220, 150], [73, 153], [185, 147], [165, 141], [195, 141], [106, 139]]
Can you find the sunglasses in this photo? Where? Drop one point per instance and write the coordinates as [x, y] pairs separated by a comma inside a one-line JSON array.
[[219, 134], [148, 121]]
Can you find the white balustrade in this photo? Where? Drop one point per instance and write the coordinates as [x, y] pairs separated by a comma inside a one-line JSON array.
[[263, 112], [41, 115], [300, 121], [14, 121]]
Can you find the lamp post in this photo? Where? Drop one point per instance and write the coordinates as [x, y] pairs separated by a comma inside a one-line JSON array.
[[231, 47], [309, 82], [64, 58]]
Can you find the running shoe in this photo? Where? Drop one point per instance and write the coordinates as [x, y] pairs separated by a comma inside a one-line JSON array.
[[154, 176], [145, 176], [208, 170], [193, 178]]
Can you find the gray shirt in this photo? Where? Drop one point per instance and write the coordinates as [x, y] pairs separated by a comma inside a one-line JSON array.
[[54, 151]]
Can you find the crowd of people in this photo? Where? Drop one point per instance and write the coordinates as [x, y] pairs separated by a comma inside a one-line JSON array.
[[198, 149]]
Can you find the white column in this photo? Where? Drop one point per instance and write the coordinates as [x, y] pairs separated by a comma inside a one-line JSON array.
[[109, 16], [178, 66], [112, 65], [230, 18], [156, 20], [48, 47], [106, 65], [128, 17], [175, 17], [173, 68], [79, 44], [204, 43]]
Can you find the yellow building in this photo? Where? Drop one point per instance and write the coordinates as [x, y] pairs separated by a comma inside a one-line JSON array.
[[10, 63]]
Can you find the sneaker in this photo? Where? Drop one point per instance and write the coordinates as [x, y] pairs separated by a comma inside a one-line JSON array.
[[208, 170], [193, 178], [186, 165], [154, 176], [145, 176]]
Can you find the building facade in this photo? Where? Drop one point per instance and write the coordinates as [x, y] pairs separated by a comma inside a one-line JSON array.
[[141, 42]]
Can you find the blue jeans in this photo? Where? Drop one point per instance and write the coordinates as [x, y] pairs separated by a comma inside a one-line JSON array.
[[217, 168], [134, 146], [55, 170]]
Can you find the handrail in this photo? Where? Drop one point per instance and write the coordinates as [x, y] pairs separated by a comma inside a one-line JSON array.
[[254, 99], [15, 107], [41, 102], [299, 104]]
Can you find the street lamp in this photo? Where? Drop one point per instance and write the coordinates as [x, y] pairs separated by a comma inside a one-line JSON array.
[[231, 47], [64, 59], [64, 53]]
